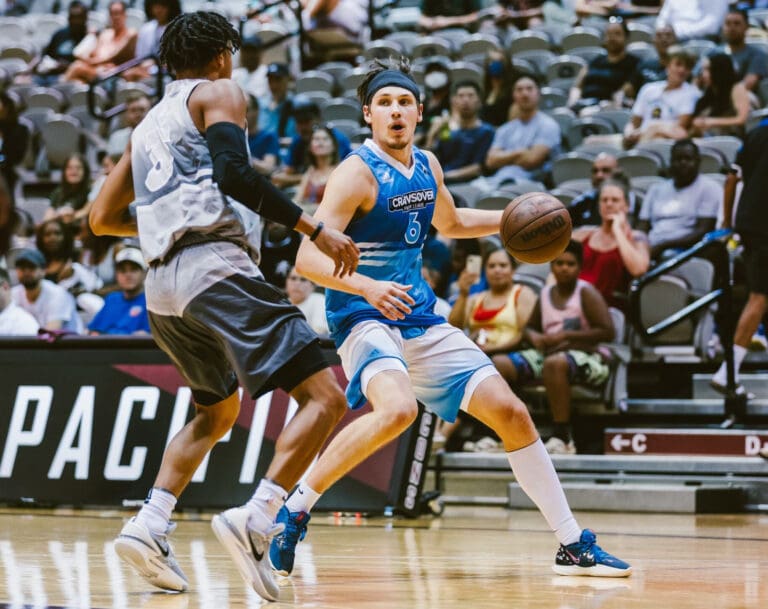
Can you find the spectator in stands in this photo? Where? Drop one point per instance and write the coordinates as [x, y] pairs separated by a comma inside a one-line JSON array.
[[301, 292], [51, 305], [606, 77], [323, 153], [752, 225], [462, 141], [124, 311], [678, 212], [113, 45], [57, 56], [251, 74], [136, 107], [349, 17], [585, 209], [568, 323], [693, 18], [14, 8], [496, 317], [437, 98], [56, 241], [307, 116], [276, 108], [664, 109], [523, 147], [605, 8], [159, 14], [521, 14], [72, 194], [14, 139], [750, 61], [14, 321], [263, 145], [613, 251], [653, 69], [724, 107], [439, 15], [499, 78]]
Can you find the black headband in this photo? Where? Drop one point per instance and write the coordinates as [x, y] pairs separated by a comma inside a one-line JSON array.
[[391, 78]]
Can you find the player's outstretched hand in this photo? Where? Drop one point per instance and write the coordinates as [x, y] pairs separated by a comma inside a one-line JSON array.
[[390, 299], [341, 249]]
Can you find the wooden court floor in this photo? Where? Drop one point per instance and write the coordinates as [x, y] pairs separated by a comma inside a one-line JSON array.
[[470, 558]]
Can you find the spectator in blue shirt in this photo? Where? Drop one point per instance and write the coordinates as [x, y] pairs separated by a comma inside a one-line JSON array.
[[462, 140], [125, 311], [306, 115], [263, 145]]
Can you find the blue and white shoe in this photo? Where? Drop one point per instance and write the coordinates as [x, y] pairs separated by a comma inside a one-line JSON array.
[[282, 550], [585, 557]]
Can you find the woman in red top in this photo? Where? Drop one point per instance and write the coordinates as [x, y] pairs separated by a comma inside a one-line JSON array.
[[613, 251]]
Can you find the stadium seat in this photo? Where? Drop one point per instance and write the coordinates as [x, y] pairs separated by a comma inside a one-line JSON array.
[[584, 127], [639, 32], [541, 59], [61, 135], [382, 49], [642, 50], [431, 46], [45, 97], [640, 163], [314, 80], [588, 53], [712, 160], [528, 40], [618, 117], [337, 69], [727, 145], [479, 44], [493, 202], [460, 71], [565, 68], [581, 37], [12, 29], [406, 39], [571, 166], [25, 51], [533, 275], [551, 98], [698, 47], [340, 108]]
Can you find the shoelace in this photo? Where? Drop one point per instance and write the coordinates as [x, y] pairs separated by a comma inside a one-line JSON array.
[[295, 531]]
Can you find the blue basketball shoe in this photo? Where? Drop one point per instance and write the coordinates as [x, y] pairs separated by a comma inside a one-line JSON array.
[[282, 550], [585, 557]]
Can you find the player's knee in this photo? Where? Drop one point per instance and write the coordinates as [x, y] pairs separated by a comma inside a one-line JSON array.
[[217, 421], [400, 416]]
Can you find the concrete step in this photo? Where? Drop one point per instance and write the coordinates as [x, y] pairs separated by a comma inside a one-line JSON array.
[[702, 407], [635, 497], [757, 383], [678, 441]]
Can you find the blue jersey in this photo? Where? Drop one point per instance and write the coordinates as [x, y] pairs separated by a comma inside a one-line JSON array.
[[390, 238]]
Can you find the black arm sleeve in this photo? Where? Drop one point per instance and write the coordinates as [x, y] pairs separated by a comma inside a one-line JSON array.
[[237, 179]]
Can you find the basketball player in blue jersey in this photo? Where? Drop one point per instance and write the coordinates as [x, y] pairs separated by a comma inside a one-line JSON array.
[[393, 348], [210, 309]]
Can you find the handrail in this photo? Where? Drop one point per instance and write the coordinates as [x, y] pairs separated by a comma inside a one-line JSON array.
[[100, 114], [715, 245]]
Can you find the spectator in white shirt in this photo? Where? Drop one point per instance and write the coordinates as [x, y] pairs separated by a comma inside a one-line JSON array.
[[664, 109], [14, 321], [693, 18], [51, 305]]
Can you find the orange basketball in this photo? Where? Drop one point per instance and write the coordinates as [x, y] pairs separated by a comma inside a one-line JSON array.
[[535, 227]]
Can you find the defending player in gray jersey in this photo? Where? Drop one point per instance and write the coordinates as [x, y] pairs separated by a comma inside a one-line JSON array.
[[210, 309]]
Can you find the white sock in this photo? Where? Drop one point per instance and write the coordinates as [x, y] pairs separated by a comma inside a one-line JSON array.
[[536, 475], [265, 504], [156, 512], [721, 376], [303, 499]]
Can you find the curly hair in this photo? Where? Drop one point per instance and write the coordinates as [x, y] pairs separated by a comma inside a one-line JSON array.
[[192, 40], [379, 65]]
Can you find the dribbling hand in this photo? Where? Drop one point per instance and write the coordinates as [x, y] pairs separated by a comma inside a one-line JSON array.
[[340, 248], [390, 299]]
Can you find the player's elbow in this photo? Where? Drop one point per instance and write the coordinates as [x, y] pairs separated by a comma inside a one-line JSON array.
[[99, 222]]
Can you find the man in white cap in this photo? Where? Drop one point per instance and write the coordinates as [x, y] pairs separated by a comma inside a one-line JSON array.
[[124, 311]]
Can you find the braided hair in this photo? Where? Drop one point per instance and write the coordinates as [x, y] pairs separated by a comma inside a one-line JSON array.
[[192, 40], [379, 65]]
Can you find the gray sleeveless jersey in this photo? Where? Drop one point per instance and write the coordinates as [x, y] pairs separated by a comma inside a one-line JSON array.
[[173, 181]]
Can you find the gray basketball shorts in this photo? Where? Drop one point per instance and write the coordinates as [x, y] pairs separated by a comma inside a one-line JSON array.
[[219, 322]]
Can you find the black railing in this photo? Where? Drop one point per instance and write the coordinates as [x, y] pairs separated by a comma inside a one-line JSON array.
[[714, 247], [117, 72]]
